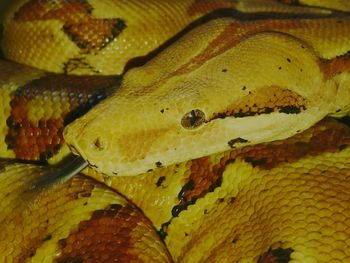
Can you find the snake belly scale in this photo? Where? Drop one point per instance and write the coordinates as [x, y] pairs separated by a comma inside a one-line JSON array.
[[213, 138]]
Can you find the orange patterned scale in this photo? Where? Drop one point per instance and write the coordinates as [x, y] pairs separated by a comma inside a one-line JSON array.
[[41, 109], [87, 32], [206, 174], [78, 221], [106, 236]]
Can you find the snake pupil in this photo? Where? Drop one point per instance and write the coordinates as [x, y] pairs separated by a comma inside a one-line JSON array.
[[193, 119]]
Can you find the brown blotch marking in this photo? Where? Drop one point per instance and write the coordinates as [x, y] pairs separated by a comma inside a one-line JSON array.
[[232, 34], [264, 101], [202, 7], [336, 66], [39, 141], [267, 156], [37, 234], [87, 32], [206, 176], [94, 34], [105, 237], [229, 37], [278, 255]]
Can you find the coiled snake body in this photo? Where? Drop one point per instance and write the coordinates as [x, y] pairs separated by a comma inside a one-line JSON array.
[[218, 149]]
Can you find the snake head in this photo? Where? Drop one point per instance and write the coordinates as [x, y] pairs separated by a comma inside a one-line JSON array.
[[202, 95]]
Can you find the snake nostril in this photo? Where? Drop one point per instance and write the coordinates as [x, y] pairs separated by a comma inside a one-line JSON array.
[[99, 144], [193, 119]]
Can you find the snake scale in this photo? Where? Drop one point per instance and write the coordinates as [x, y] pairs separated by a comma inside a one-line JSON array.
[[208, 126]]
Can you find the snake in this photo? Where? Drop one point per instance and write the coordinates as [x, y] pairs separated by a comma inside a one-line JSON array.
[[208, 128]]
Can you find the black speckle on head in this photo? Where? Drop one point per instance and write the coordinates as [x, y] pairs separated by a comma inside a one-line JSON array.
[[162, 111], [224, 70], [289, 60], [159, 164], [244, 88], [279, 67], [233, 142], [160, 181]]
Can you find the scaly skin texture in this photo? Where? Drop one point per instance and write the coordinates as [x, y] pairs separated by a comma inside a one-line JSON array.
[[82, 37], [243, 204], [335, 4], [89, 37], [301, 74], [37, 105], [267, 202], [79, 221], [287, 198]]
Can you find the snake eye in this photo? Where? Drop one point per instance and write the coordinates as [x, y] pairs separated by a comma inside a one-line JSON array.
[[193, 119]]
